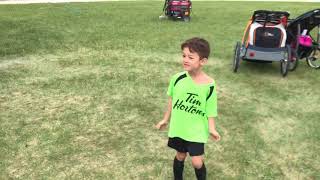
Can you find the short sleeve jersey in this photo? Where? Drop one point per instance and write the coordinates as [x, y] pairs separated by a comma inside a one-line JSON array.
[[192, 104]]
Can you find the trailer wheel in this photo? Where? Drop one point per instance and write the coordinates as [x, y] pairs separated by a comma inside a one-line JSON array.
[[236, 57], [284, 64]]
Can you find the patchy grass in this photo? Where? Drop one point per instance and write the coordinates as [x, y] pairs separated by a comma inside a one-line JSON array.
[[83, 83]]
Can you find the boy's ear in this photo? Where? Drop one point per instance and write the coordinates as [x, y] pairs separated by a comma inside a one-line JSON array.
[[204, 60]]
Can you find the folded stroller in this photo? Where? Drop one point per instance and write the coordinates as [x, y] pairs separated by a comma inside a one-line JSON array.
[[264, 40], [177, 9]]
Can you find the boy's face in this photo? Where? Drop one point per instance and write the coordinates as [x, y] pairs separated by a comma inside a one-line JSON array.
[[191, 60]]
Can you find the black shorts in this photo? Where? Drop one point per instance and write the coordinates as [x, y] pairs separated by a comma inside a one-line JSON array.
[[181, 145]]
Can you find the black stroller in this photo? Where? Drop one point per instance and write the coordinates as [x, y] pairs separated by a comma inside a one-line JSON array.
[[305, 42]]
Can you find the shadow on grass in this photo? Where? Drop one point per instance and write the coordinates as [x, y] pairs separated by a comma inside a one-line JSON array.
[[259, 68]]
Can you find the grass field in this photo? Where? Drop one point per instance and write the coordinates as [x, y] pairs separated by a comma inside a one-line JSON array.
[[82, 84]]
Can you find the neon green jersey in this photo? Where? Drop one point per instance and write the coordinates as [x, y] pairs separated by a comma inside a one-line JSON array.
[[192, 104]]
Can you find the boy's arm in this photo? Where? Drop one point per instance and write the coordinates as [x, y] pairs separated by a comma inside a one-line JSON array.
[[166, 117], [212, 129], [167, 114]]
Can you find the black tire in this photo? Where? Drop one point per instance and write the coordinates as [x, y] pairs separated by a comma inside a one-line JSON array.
[[236, 57], [313, 61], [284, 63], [186, 18], [293, 63]]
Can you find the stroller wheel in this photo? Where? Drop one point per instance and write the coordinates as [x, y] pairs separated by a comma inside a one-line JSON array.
[[236, 57], [313, 60], [284, 67], [293, 62], [284, 64], [186, 18]]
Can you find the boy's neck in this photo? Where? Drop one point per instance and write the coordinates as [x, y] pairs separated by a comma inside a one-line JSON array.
[[195, 73]]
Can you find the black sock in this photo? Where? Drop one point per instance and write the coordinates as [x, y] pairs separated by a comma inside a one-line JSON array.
[[201, 173], [178, 169]]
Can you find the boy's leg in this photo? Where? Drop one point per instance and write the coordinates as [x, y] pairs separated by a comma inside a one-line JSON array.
[[199, 167], [178, 165], [196, 151]]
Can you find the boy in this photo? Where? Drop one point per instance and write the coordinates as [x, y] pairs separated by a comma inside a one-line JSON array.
[[191, 109]]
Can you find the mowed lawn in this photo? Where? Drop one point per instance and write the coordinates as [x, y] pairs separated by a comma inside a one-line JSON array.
[[82, 85]]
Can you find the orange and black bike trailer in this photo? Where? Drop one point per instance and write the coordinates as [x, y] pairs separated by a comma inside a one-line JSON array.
[[264, 40]]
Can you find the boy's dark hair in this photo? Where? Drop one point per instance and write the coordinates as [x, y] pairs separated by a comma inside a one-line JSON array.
[[198, 45]]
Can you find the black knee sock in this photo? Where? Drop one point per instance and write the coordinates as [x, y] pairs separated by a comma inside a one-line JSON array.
[[178, 169], [201, 173]]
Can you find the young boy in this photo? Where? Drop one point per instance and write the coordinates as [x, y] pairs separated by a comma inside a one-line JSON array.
[[191, 109]]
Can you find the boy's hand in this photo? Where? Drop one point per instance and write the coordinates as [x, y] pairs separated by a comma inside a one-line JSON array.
[[161, 125], [215, 135]]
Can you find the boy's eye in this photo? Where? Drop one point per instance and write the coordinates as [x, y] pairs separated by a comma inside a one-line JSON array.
[[183, 55]]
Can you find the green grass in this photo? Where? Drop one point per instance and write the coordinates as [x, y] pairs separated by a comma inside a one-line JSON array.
[[82, 84]]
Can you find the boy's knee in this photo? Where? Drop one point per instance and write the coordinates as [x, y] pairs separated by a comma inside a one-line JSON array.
[[197, 162], [181, 156]]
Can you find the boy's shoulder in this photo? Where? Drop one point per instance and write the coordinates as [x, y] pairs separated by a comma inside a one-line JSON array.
[[207, 79], [180, 73], [175, 76]]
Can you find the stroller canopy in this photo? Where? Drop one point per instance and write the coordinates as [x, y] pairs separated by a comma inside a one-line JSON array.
[[308, 21], [265, 15]]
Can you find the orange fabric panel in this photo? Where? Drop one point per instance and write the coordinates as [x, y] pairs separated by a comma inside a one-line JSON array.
[[245, 34]]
